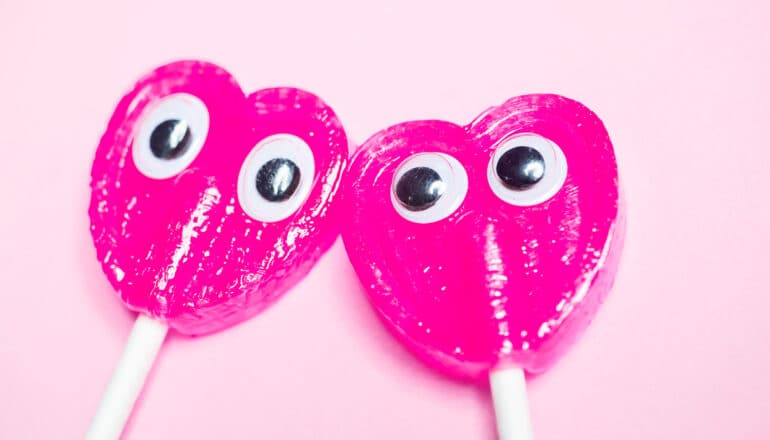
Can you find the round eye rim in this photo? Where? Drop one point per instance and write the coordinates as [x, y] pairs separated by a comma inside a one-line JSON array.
[[556, 168], [451, 172], [277, 146], [181, 107]]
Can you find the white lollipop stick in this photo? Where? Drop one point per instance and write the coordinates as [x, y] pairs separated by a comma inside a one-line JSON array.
[[509, 395], [143, 344]]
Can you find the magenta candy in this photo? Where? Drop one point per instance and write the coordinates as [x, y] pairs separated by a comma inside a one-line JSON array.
[[476, 252], [180, 224]]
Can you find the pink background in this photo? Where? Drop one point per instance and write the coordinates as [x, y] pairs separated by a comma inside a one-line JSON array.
[[679, 351]]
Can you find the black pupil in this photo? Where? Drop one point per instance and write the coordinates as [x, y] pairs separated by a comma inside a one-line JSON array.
[[170, 139], [520, 167], [419, 188], [278, 179]]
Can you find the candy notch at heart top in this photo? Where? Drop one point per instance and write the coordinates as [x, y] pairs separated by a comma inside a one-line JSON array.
[[207, 204], [487, 244]]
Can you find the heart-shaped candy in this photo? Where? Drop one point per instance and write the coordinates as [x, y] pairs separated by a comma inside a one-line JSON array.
[[489, 243], [207, 204]]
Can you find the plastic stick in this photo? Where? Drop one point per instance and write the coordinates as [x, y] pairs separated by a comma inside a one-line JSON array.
[[509, 395], [143, 344]]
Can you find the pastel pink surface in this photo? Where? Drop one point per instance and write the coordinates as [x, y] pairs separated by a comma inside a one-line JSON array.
[[182, 248], [676, 351], [493, 282]]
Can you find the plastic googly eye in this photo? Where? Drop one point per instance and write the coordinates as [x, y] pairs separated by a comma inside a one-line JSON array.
[[428, 187], [527, 170], [276, 178], [170, 136]]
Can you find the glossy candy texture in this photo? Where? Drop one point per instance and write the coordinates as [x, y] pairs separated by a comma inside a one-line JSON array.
[[178, 215], [499, 274]]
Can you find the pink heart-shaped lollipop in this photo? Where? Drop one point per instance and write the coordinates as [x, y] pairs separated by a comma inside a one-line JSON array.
[[490, 243], [208, 204]]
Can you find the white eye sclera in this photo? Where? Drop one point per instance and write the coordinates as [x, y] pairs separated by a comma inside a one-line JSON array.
[[428, 187], [276, 178], [527, 170], [171, 135]]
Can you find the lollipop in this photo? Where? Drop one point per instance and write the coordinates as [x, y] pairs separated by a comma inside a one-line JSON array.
[[488, 248], [206, 206]]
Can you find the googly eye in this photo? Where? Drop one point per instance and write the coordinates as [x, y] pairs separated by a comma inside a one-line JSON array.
[[527, 170], [428, 187], [170, 136], [276, 178]]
